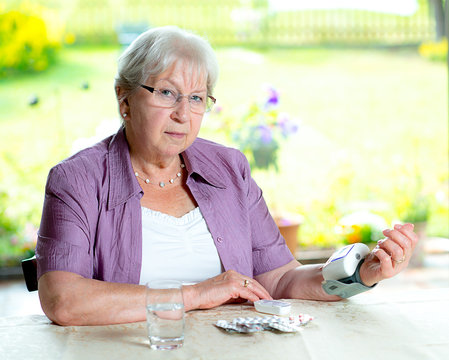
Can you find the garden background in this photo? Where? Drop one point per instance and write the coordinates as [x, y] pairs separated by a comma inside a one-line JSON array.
[[366, 90]]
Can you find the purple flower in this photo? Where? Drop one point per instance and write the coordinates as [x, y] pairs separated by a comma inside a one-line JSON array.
[[265, 134], [272, 98], [287, 126]]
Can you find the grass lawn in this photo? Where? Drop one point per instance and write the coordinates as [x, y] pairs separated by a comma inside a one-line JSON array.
[[372, 121]]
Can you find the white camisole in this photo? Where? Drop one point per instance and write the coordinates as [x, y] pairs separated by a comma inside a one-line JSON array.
[[177, 248]]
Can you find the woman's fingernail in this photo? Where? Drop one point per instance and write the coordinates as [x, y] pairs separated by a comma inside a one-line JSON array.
[[398, 226], [387, 231]]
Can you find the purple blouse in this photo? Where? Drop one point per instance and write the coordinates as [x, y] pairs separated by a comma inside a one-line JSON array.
[[92, 225]]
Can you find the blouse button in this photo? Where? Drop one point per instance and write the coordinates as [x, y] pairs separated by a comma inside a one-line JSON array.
[[220, 239]]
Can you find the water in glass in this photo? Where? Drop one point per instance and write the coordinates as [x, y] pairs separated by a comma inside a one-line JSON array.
[[165, 325]]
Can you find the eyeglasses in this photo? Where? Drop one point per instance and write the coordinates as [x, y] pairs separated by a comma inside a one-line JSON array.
[[199, 103]]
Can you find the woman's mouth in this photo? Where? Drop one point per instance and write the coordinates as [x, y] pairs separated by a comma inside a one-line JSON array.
[[174, 134]]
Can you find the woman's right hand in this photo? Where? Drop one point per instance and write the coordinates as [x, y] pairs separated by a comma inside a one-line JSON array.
[[227, 287]]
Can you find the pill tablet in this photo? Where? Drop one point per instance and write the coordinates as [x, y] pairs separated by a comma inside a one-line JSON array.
[[275, 307]]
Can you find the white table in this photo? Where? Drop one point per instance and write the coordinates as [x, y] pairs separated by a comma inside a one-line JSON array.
[[412, 325]]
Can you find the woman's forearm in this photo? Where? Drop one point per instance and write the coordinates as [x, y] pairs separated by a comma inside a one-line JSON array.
[[69, 299], [303, 282]]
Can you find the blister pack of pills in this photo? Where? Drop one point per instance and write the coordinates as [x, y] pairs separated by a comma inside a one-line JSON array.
[[254, 324]]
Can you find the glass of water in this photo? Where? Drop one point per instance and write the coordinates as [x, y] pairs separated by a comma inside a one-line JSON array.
[[165, 314]]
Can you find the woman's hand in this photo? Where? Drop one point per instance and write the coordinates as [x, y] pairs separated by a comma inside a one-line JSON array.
[[227, 287], [390, 256]]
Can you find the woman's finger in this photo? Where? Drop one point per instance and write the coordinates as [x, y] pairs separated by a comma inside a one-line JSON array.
[[386, 264], [245, 283], [246, 288], [404, 236], [400, 239], [392, 248], [256, 288], [239, 300], [407, 230]]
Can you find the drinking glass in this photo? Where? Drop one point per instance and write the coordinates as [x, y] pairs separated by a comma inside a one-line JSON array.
[[165, 314]]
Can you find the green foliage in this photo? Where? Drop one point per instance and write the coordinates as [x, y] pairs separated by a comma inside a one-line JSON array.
[[17, 240], [413, 202], [434, 50], [357, 233], [318, 227], [418, 210], [7, 225], [24, 43], [364, 227]]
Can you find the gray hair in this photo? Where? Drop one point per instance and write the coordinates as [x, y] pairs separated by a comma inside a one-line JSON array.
[[155, 50]]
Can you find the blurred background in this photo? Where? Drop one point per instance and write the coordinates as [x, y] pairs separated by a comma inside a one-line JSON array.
[[341, 107]]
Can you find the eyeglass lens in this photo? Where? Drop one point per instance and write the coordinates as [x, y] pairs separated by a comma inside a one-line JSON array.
[[199, 103]]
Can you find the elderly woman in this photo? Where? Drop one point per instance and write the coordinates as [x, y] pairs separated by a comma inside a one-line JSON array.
[[154, 201]]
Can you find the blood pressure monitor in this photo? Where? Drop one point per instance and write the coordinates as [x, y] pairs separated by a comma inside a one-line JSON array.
[[343, 262], [341, 272]]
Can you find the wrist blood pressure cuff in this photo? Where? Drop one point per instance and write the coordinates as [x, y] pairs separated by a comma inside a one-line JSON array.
[[347, 287], [336, 287]]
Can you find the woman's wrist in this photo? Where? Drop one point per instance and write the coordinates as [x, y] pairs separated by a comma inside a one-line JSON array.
[[365, 280], [188, 296]]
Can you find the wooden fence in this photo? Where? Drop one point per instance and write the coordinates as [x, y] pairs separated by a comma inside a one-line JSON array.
[[238, 22]]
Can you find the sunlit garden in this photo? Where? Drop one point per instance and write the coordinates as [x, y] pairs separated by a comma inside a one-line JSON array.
[[348, 139]]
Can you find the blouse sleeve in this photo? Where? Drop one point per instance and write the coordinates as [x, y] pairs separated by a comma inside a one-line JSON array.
[[64, 234]]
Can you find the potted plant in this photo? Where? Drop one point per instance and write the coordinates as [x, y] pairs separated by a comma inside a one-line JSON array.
[[261, 130]]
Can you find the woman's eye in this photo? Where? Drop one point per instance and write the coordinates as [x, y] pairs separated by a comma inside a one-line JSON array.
[[196, 98], [167, 92]]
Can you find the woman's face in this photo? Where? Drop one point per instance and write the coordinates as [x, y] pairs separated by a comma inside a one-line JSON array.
[[160, 133]]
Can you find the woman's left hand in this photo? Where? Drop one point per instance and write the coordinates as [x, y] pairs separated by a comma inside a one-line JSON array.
[[390, 256]]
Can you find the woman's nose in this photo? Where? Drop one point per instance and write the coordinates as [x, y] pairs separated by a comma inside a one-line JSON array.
[[182, 109]]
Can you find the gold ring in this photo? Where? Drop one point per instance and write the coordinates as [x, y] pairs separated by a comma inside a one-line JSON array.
[[245, 283], [401, 260]]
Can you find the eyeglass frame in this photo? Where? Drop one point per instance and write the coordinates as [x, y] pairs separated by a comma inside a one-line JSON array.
[[152, 90]]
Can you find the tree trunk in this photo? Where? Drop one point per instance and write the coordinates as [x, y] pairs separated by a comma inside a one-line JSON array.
[[446, 17], [437, 9]]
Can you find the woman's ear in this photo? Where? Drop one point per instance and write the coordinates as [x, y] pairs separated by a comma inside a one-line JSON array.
[[123, 103]]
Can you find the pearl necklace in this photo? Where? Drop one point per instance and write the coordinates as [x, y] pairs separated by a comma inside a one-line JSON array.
[[161, 183]]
